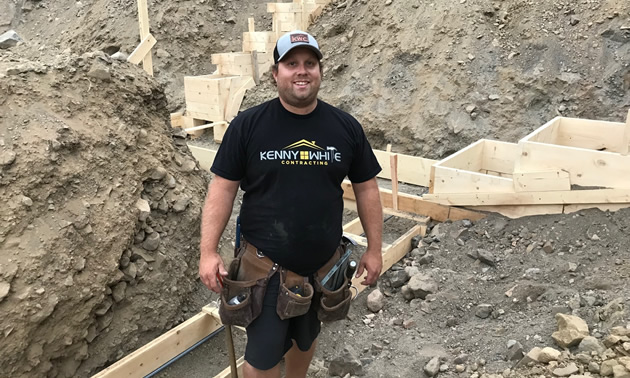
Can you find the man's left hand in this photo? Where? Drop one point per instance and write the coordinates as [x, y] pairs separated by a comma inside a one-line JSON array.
[[372, 261]]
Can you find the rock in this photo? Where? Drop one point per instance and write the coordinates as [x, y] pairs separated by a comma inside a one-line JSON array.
[[593, 367], [461, 359], [118, 292], [151, 242], [409, 323], [566, 371], [130, 271], [9, 39], [548, 354], [27, 201], [619, 371], [415, 241], [104, 307], [388, 2], [5, 287], [346, 363], [163, 54], [571, 330], [230, 20], [139, 254], [181, 204], [494, 97], [421, 285], [515, 352], [485, 257], [591, 344], [158, 173], [483, 311], [548, 247], [432, 367], [426, 259], [606, 367], [145, 209], [120, 56], [100, 72], [407, 293], [398, 278], [531, 356], [7, 157], [411, 271], [470, 108], [375, 301]]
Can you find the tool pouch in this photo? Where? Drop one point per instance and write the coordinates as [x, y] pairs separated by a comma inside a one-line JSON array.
[[246, 282], [294, 295], [332, 305]]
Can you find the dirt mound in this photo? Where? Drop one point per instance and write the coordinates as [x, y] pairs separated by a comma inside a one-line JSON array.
[[99, 232]]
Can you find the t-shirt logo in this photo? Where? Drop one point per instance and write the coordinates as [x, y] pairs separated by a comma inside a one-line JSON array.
[[295, 38], [303, 152]]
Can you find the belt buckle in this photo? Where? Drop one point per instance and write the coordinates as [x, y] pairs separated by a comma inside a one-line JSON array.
[[259, 254]]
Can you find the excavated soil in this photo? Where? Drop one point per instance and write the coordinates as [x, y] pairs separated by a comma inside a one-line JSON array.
[[100, 223]]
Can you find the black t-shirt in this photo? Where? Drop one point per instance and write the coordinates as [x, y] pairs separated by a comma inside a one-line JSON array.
[[291, 167]]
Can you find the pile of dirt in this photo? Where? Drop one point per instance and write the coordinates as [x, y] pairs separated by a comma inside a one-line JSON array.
[[100, 222]]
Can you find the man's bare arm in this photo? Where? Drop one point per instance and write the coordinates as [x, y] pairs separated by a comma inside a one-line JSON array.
[[216, 213], [371, 215]]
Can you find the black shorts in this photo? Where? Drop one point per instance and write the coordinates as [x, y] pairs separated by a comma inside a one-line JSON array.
[[269, 337]]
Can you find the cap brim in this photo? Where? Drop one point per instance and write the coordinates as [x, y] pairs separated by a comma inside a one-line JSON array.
[[306, 45]]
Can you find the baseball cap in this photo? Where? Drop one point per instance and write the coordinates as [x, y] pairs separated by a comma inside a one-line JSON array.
[[291, 40]]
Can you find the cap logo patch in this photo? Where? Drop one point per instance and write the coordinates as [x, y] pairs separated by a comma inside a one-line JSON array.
[[295, 38]]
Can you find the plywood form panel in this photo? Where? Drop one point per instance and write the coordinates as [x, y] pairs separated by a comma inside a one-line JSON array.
[[451, 180], [546, 133], [541, 181], [469, 158], [586, 167], [589, 134], [499, 156]]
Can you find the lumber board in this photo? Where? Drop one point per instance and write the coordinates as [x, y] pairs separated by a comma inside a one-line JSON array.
[[451, 180], [411, 169], [141, 51], [353, 227], [143, 23], [251, 25], [205, 126], [586, 167], [626, 137], [499, 156], [177, 119], [393, 163], [468, 159], [162, 349], [590, 134], [225, 373], [392, 254], [416, 205], [544, 134], [601, 206], [541, 181], [204, 156], [569, 197], [518, 211]]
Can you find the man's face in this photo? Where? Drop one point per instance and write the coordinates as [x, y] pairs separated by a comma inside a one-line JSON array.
[[298, 78]]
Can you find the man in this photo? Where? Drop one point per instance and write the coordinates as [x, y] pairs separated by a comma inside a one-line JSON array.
[[289, 156]]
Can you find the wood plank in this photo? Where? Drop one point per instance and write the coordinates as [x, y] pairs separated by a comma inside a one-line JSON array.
[[586, 167], [177, 119], [204, 126], [590, 134], [143, 22], [532, 198], [626, 137], [541, 181], [162, 349], [255, 71], [415, 205], [602, 206], [391, 255], [225, 373], [250, 25], [141, 51], [519, 211], [499, 156], [545, 133], [451, 180], [411, 169], [204, 156], [353, 227], [469, 158]]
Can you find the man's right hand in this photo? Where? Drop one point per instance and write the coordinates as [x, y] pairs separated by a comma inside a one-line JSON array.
[[210, 265]]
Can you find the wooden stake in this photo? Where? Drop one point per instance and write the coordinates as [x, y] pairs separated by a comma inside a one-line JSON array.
[[256, 73], [143, 21], [250, 24], [142, 50], [393, 163]]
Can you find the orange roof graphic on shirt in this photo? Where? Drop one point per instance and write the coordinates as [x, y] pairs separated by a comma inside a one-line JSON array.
[[304, 143]]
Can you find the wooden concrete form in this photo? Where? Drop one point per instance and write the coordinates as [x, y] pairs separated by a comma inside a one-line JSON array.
[[593, 153], [411, 169], [293, 16], [215, 98], [142, 50], [484, 166], [243, 63]]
